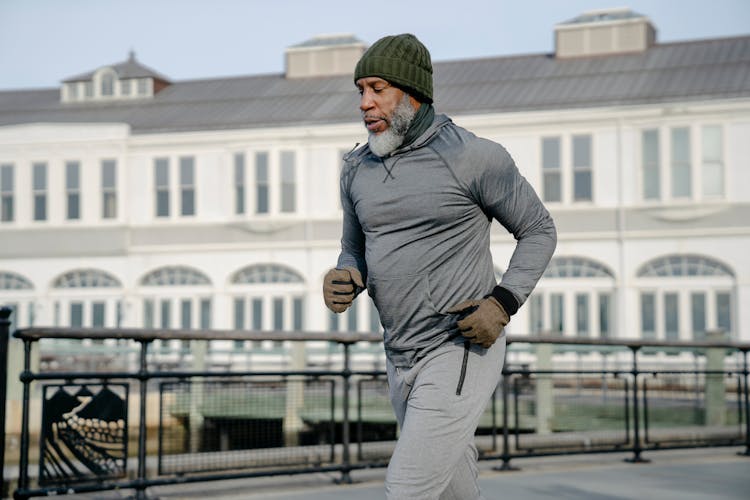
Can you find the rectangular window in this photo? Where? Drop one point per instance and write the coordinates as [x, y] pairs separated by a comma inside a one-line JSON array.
[[88, 89], [239, 183], [109, 189], [239, 314], [257, 314], [582, 168], [166, 313], [671, 317], [187, 185], [605, 315], [148, 313], [551, 169], [681, 171], [713, 161], [288, 182], [648, 315], [650, 160], [142, 86], [73, 189], [72, 91], [557, 313], [205, 319], [297, 314], [76, 314], [186, 314], [536, 313], [278, 314], [7, 188], [98, 314], [582, 314], [261, 183], [724, 311], [39, 187], [698, 315], [125, 87], [352, 316], [161, 184]]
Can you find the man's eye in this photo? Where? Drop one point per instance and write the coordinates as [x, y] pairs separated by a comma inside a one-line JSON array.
[[378, 90]]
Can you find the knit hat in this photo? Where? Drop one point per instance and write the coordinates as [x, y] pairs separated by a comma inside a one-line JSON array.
[[401, 60]]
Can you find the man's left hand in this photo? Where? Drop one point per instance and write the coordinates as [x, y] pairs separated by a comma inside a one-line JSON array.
[[484, 322]]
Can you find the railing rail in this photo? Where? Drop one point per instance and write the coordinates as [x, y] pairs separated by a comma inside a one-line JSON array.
[[311, 410]]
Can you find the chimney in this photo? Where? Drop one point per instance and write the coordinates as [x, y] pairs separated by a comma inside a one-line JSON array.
[[324, 55], [604, 32]]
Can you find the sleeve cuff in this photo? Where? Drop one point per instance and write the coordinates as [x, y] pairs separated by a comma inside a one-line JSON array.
[[506, 299]]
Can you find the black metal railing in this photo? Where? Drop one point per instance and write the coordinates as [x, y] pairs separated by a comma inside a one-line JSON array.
[[196, 424]]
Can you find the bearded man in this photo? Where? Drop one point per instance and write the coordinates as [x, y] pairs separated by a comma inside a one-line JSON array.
[[418, 203]]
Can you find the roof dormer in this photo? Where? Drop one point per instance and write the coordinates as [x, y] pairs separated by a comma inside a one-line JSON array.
[[324, 55], [126, 80], [604, 32]]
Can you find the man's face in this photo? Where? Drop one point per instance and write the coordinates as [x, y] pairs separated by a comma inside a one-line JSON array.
[[378, 101]]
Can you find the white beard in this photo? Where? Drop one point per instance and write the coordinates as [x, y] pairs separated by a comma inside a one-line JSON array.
[[387, 141]]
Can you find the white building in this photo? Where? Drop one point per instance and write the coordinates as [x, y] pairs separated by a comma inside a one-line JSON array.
[[131, 200]]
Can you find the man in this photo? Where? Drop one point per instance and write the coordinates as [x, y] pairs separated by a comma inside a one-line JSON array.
[[418, 203]]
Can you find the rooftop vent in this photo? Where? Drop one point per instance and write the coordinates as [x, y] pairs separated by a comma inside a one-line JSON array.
[[324, 55], [604, 32]]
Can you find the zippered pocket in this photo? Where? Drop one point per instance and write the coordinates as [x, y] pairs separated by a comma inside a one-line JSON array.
[[465, 362]]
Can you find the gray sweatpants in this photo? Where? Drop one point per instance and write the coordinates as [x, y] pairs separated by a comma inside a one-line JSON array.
[[435, 457]]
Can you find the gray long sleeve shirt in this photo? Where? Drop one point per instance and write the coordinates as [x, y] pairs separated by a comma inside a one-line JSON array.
[[417, 226]]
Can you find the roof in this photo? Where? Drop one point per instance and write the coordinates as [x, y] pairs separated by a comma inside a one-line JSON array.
[[329, 41], [604, 15], [673, 72], [126, 69]]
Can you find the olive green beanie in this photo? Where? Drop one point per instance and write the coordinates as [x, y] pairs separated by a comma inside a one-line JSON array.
[[401, 60]]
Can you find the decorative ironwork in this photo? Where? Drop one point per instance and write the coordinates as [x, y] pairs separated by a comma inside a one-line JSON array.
[[84, 433]]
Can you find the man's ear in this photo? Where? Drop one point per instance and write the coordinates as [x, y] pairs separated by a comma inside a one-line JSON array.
[[414, 102]]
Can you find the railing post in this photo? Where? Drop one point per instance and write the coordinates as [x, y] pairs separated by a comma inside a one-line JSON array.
[[26, 378], [346, 459], [140, 493], [636, 417], [746, 379], [505, 456], [4, 334]]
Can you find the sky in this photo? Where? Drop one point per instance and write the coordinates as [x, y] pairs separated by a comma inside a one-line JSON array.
[[43, 42]]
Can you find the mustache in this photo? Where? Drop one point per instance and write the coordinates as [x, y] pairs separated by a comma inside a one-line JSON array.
[[366, 116]]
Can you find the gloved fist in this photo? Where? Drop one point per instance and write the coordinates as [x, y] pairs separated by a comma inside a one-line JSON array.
[[340, 288], [483, 322]]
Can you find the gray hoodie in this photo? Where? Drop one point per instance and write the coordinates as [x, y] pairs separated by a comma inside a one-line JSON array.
[[417, 226]]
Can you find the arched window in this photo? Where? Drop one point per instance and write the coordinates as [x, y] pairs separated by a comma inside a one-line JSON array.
[[267, 297], [86, 278], [13, 281], [17, 293], [176, 297], [684, 265], [575, 297], [175, 276], [266, 273], [685, 295], [576, 267], [87, 298]]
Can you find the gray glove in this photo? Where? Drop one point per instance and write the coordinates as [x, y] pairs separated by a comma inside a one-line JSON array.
[[340, 286], [483, 320]]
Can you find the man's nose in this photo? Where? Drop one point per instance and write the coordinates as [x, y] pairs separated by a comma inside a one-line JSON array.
[[365, 100]]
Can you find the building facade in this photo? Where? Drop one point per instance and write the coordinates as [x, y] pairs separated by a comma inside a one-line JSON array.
[[129, 200]]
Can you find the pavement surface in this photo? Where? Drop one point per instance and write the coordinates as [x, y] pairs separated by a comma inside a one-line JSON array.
[[708, 473]]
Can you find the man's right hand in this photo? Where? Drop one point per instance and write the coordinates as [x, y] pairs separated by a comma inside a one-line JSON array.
[[340, 288]]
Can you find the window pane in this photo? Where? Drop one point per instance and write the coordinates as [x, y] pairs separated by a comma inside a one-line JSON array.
[[671, 317], [550, 153], [187, 186], [297, 314], [698, 315], [161, 181], [76, 315], [40, 176], [261, 183], [648, 315], [239, 314], [605, 307], [552, 187], [713, 162], [651, 175], [166, 314], [536, 313], [161, 167], [72, 175], [724, 311], [581, 151], [257, 314], [278, 314], [186, 310], [205, 314], [582, 186], [148, 313], [288, 182], [98, 310], [582, 314], [681, 182], [109, 189], [239, 183], [7, 188], [557, 312]]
